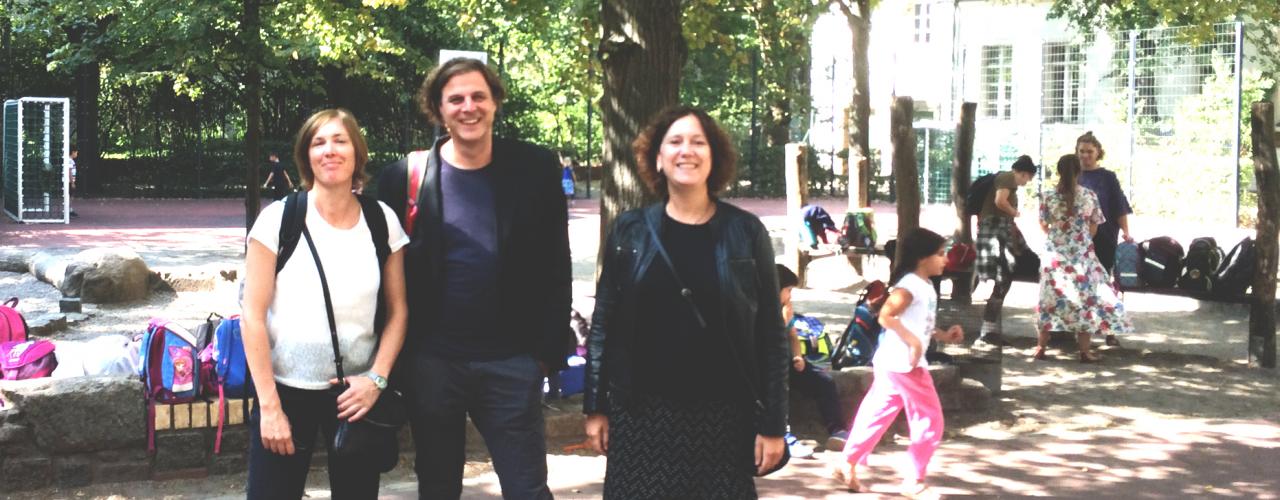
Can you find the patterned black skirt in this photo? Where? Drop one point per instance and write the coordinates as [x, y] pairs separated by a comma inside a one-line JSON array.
[[661, 449]]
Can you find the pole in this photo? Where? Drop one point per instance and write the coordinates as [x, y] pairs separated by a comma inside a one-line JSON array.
[[755, 136], [1235, 179], [1133, 104], [590, 76]]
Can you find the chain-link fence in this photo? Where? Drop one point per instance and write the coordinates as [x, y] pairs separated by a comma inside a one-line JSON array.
[[36, 186]]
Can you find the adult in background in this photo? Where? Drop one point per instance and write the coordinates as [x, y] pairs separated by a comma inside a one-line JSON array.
[[686, 388], [1115, 205], [278, 180], [999, 242], [1076, 293], [289, 346], [489, 285]]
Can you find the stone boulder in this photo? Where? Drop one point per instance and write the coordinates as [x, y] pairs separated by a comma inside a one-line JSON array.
[[14, 260], [106, 275], [80, 414]]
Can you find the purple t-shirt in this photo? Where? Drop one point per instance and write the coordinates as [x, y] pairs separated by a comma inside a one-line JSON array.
[[467, 328], [1111, 197]]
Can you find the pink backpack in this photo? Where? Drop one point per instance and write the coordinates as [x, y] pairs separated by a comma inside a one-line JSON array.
[[29, 359], [13, 327]]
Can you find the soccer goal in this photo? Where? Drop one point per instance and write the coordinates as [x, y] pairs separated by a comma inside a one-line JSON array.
[[37, 185]]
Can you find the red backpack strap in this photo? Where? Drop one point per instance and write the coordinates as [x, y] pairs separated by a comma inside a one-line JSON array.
[[417, 169]]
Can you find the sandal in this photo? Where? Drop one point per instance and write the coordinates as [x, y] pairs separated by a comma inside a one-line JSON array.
[[1039, 355], [1089, 357], [849, 479], [1113, 341], [919, 491]]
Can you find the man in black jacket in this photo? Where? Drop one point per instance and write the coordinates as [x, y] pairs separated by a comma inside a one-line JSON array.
[[489, 286]]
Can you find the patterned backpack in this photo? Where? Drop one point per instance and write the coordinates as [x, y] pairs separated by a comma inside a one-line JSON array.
[[170, 369]]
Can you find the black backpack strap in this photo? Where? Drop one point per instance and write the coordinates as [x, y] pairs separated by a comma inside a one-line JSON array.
[[376, 219], [291, 224]]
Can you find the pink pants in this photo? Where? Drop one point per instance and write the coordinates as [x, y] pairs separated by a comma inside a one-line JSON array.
[[891, 392]]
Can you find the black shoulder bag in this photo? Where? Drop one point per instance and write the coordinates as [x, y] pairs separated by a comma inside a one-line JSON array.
[[375, 437], [687, 293]]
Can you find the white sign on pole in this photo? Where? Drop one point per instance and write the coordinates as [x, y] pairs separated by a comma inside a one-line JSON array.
[[446, 55]]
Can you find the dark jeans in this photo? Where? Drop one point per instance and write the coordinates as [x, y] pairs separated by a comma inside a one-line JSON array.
[[816, 383], [1104, 245], [503, 399], [274, 477]]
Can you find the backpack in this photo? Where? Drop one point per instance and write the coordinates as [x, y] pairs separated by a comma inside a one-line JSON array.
[[960, 257], [1204, 257], [858, 342], [170, 373], [858, 231], [815, 346], [1161, 262], [1128, 259], [22, 360], [13, 327], [1235, 276], [1027, 265], [227, 369], [416, 166], [978, 193]]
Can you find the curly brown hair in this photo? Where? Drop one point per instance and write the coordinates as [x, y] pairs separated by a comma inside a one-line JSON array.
[[432, 89], [724, 159]]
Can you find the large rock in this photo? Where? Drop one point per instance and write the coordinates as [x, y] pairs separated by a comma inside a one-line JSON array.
[[14, 260], [81, 414], [106, 275]]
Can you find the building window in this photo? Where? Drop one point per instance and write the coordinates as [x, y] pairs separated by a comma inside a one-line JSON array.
[[923, 22], [997, 81], [1062, 83]]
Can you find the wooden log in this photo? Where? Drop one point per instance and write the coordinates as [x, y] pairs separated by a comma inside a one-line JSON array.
[[797, 176], [905, 171], [1262, 311]]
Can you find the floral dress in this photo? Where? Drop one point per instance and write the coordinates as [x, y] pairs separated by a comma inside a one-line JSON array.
[[1076, 293]]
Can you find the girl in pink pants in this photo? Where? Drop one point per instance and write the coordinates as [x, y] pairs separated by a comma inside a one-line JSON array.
[[902, 379]]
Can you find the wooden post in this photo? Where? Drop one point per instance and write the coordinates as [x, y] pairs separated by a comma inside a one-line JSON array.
[[961, 171], [1262, 312], [797, 175], [905, 170]]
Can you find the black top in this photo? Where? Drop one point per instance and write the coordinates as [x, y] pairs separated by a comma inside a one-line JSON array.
[[466, 327], [674, 357]]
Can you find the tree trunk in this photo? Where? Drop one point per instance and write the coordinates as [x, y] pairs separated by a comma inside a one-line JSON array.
[[642, 54], [905, 170], [86, 87], [251, 30], [860, 107], [961, 172], [1262, 312]]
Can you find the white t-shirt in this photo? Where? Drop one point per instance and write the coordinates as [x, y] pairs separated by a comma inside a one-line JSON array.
[[297, 326], [919, 318]]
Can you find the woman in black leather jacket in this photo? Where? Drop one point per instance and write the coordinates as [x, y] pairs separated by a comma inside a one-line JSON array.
[[687, 360]]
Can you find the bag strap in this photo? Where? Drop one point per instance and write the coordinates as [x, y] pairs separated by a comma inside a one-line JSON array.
[[12, 302], [417, 170], [328, 305], [291, 225], [684, 290]]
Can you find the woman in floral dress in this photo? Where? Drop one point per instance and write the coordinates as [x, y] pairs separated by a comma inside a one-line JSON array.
[[1076, 293]]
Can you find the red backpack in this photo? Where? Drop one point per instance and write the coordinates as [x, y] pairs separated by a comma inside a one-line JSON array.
[[13, 327]]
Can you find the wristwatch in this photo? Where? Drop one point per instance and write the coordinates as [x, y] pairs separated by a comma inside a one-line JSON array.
[[378, 381]]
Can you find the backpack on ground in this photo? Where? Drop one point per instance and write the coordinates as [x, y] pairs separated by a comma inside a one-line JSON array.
[[815, 346], [13, 327], [227, 369], [858, 231], [1128, 262], [1203, 259], [960, 257], [1161, 262], [170, 370], [1026, 265], [1235, 276], [857, 344], [978, 193], [27, 359]]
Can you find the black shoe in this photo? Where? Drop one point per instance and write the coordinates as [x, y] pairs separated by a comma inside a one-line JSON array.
[[74, 214]]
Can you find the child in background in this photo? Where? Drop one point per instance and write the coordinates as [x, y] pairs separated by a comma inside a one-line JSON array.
[[902, 379], [808, 379]]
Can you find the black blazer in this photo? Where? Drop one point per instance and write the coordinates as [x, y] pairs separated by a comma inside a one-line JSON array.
[[758, 342], [534, 276]]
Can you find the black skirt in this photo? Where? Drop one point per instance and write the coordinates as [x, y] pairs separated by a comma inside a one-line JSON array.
[[663, 449]]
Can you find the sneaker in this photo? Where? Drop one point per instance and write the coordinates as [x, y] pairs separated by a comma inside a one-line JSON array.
[[837, 440], [797, 449]]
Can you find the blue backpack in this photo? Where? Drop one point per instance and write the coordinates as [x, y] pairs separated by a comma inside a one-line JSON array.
[[858, 343], [228, 370], [170, 369], [814, 343]]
